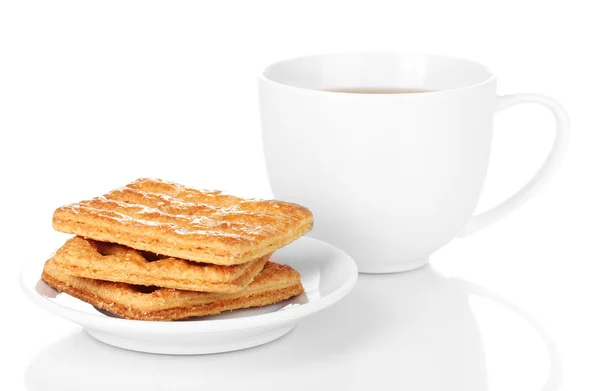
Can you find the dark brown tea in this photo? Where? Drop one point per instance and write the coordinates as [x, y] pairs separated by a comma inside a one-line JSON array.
[[378, 90]]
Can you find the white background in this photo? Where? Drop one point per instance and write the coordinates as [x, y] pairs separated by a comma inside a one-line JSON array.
[[96, 94]]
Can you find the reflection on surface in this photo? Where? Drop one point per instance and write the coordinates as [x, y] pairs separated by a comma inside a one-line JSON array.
[[412, 331]]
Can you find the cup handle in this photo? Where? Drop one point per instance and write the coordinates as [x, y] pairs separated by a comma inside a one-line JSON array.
[[545, 172], [554, 379]]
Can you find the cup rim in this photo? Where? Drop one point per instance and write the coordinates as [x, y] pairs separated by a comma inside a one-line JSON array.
[[491, 77]]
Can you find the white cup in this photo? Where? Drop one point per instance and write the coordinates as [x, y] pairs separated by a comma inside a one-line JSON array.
[[390, 178]]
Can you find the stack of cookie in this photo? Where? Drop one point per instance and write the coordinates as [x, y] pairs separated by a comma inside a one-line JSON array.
[[156, 250]]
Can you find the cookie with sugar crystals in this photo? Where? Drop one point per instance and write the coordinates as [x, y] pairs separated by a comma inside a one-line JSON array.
[[113, 262], [273, 284], [170, 219]]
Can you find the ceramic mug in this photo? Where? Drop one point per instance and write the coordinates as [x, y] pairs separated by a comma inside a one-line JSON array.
[[390, 178]]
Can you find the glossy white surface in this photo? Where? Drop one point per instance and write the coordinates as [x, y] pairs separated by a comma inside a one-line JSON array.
[[328, 274], [417, 330], [390, 178], [95, 94]]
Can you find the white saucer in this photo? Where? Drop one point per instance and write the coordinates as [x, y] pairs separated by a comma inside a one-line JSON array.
[[328, 274]]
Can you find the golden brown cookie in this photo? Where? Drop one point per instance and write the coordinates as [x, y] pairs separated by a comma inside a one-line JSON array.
[[273, 284], [113, 262], [178, 221]]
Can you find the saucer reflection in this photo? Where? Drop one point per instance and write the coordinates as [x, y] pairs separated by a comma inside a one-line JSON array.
[[415, 329]]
